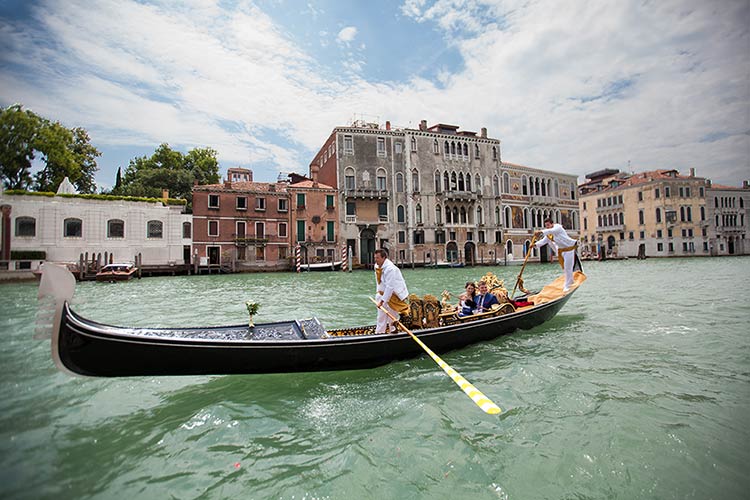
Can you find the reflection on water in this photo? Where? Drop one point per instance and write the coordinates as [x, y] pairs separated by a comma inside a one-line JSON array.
[[639, 388]]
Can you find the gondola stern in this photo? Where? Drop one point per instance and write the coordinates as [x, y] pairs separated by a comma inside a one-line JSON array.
[[56, 289]]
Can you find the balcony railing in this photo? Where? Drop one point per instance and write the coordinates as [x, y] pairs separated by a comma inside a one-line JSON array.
[[351, 219], [367, 193]]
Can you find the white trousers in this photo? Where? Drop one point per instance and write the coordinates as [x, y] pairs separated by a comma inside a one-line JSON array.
[[383, 320], [569, 259]]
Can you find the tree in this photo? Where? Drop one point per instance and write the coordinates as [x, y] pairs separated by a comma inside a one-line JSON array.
[[18, 134], [118, 181], [170, 169], [64, 152]]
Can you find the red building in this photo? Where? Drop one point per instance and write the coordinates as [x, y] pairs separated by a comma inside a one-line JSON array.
[[242, 225]]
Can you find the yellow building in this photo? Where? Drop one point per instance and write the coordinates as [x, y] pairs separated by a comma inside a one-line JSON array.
[[650, 214]]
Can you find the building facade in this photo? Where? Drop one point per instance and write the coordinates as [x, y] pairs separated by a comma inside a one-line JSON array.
[[528, 197], [729, 223], [242, 225], [425, 194], [66, 227], [658, 213]]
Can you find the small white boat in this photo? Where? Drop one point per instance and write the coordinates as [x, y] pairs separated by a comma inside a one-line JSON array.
[[116, 272]]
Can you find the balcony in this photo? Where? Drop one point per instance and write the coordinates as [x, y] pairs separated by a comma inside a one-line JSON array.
[[460, 195], [351, 219], [541, 200], [367, 194]]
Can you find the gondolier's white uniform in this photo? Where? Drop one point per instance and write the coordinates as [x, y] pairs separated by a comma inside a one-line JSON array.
[[391, 289], [565, 248]]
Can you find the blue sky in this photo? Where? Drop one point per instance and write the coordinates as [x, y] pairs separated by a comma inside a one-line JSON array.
[[570, 86]]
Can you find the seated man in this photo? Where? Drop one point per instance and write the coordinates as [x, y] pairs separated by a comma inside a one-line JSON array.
[[485, 299]]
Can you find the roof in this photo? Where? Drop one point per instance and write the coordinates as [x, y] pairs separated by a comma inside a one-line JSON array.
[[244, 186], [308, 184]]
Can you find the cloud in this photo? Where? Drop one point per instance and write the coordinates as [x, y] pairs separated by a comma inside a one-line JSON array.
[[569, 87], [347, 34]]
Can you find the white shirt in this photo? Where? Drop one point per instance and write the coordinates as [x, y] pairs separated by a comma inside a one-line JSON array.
[[391, 281], [556, 237]]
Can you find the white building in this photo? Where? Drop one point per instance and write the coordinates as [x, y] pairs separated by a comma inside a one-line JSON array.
[[66, 226]]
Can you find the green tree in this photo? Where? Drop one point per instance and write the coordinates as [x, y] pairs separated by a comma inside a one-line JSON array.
[[63, 152], [170, 169], [18, 134]]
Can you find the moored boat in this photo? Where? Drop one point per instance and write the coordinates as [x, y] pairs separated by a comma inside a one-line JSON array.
[[322, 266], [85, 347], [116, 272]]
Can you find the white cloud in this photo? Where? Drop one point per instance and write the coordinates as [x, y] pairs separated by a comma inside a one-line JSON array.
[[347, 34], [568, 86]]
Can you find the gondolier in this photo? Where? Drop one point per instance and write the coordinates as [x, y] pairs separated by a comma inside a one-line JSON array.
[[565, 247], [391, 290]]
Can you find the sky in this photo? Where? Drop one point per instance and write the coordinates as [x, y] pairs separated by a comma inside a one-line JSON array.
[[567, 86]]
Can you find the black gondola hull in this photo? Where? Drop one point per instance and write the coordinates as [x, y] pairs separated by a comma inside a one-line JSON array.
[[88, 348]]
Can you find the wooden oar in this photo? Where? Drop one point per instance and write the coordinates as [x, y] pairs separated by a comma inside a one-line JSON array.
[[528, 254], [479, 399]]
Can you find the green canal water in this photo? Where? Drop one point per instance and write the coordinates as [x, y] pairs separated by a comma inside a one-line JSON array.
[[639, 388]]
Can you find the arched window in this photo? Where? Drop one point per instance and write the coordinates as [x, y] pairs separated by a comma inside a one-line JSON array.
[[525, 217], [524, 185], [557, 189], [115, 228], [454, 182], [574, 219], [349, 182], [494, 152], [468, 182], [72, 228], [658, 215], [509, 248], [380, 180], [438, 215], [480, 220], [448, 218], [600, 221], [453, 148], [435, 147], [155, 229], [413, 143], [508, 218], [544, 188], [187, 230], [25, 227], [495, 186], [415, 180], [466, 150], [506, 183], [460, 181], [497, 216], [447, 148], [437, 181], [463, 215], [478, 183], [400, 214], [476, 150], [418, 213], [446, 182], [455, 215], [399, 182]]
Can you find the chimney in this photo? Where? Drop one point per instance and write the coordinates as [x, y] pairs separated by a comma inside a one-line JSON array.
[[314, 169], [165, 194], [484, 132], [423, 125], [228, 184], [745, 184], [387, 125], [692, 171]]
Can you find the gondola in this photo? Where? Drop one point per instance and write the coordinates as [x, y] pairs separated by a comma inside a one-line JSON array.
[[84, 347]]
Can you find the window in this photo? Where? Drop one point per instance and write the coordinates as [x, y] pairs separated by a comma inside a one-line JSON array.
[[240, 229], [116, 228], [435, 147], [187, 230], [437, 181], [329, 201], [414, 144], [640, 217], [282, 205], [667, 193], [351, 208], [330, 236], [496, 185], [380, 183], [282, 253], [348, 144], [642, 235], [439, 236], [476, 150], [383, 212], [72, 228], [415, 180], [402, 236], [658, 215], [282, 230], [213, 201], [399, 182], [660, 247], [349, 182], [26, 227], [506, 183], [524, 186], [418, 213], [260, 229], [418, 237], [640, 195], [438, 215], [300, 200], [400, 214], [241, 203], [300, 230], [494, 153], [656, 193], [482, 237], [381, 146], [260, 204], [397, 147], [213, 228], [659, 233]]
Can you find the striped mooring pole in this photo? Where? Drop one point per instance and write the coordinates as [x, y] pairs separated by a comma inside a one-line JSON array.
[[297, 253], [344, 258]]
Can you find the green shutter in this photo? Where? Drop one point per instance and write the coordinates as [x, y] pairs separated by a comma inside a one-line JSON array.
[[330, 231], [300, 230]]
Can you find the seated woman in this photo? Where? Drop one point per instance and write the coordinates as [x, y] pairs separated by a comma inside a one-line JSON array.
[[467, 304]]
